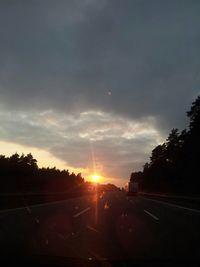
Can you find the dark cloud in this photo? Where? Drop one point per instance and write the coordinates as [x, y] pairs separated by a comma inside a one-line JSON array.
[[68, 54], [112, 144]]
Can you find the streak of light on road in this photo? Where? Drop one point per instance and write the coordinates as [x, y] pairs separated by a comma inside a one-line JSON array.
[[100, 258], [92, 229], [82, 212]]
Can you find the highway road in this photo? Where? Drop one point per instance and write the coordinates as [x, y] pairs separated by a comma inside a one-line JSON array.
[[108, 226]]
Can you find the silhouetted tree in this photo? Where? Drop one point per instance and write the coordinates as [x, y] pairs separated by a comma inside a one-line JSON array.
[[174, 165], [21, 174], [158, 154], [194, 115]]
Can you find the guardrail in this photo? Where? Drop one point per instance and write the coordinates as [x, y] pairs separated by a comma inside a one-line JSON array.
[[189, 201], [15, 200], [171, 196]]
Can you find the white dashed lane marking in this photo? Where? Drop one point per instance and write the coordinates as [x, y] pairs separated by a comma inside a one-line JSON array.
[[150, 214], [81, 212], [172, 205], [92, 229]]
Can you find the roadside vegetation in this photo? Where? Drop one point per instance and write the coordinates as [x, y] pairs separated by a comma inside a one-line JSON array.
[[23, 183], [20, 173], [174, 165]]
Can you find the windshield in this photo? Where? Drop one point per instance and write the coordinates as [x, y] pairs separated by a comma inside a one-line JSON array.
[[99, 130]]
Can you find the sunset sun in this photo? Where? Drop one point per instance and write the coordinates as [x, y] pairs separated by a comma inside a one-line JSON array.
[[95, 178]]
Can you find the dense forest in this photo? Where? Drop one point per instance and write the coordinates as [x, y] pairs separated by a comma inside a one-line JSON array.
[[22, 174], [174, 165], [23, 183]]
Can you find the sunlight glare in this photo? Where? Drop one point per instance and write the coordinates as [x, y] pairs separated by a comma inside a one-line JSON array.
[[95, 178]]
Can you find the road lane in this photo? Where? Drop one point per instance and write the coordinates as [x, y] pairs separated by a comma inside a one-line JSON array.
[[173, 205], [22, 231], [177, 233], [110, 226]]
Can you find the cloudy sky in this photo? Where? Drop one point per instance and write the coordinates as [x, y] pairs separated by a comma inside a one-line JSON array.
[[90, 84]]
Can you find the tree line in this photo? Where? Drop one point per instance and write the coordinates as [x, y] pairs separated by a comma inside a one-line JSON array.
[[174, 165], [20, 173]]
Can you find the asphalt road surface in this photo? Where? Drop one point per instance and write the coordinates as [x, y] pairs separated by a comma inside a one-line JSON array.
[[107, 226]]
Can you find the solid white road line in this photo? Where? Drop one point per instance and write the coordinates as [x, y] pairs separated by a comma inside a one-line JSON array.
[[81, 212], [150, 214], [173, 205]]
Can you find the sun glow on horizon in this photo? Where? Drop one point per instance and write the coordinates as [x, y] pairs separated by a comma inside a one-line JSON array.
[[44, 158], [95, 178]]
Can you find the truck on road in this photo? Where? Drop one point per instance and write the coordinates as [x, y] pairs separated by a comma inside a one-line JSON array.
[[132, 188]]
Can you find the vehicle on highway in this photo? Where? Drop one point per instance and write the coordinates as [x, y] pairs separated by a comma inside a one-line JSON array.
[[132, 188]]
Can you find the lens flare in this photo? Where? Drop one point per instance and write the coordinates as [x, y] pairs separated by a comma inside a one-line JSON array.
[[95, 178]]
